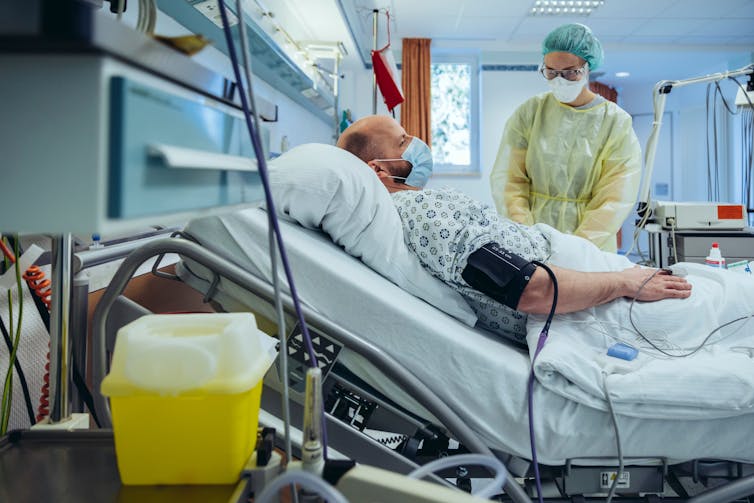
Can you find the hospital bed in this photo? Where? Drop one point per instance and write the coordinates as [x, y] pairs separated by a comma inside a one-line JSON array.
[[445, 371], [405, 382]]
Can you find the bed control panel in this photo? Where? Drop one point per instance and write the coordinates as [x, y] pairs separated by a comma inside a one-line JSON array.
[[325, 350], [598, 479]]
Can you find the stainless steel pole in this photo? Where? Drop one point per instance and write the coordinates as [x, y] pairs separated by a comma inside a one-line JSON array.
[[60, 342], [375, 14], [336, 91]]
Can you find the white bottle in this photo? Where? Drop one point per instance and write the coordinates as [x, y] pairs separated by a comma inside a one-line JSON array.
[[715, 258]]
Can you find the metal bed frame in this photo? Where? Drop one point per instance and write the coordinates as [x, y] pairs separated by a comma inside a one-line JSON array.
[[345, 434]]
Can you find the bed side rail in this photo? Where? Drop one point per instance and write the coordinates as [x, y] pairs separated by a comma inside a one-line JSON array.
[[224, 268]]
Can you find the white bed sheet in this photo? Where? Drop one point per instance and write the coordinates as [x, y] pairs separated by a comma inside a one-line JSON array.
[[713, 376], [480, 376]]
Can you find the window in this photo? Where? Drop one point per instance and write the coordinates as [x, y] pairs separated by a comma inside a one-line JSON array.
[[455, 94]]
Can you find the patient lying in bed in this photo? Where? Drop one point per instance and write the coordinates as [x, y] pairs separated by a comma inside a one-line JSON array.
[[326, 188], [705, 336], [488, 258]]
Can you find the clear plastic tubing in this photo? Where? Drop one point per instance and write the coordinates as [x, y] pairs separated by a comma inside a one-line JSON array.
[[494, 464], [304, 479]]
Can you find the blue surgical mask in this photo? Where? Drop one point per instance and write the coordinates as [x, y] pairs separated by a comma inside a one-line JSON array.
[[420, 157]]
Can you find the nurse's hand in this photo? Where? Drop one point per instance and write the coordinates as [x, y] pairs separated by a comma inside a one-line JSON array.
[[648, 284]]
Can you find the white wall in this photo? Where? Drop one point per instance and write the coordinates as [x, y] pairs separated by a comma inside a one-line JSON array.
[[501, 92], [295, 123], [356, 94]]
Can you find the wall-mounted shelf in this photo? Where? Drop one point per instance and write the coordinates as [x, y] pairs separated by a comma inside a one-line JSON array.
[[269, 61]]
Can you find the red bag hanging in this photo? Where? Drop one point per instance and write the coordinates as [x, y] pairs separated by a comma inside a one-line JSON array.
[[391, 91], [384, 73]]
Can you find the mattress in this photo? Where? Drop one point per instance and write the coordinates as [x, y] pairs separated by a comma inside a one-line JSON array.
[[481, 377]]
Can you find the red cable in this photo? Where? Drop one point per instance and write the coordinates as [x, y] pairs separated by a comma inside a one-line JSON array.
[[6, 251], [43, 410], [41, 286]]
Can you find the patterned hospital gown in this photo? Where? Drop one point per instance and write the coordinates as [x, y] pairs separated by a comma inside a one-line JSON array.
[[443, 227]]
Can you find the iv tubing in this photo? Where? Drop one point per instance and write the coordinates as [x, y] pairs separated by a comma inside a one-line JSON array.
[[306, 480], [491, 462]]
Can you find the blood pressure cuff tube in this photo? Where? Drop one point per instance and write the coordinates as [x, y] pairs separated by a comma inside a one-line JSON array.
[[498, 273]]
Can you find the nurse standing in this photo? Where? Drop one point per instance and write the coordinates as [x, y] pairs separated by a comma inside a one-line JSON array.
[[569, 157]]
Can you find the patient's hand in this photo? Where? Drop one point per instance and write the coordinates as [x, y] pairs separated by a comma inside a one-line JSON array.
[[662, 284]]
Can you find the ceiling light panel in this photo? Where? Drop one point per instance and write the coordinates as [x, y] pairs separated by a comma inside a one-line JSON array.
[[564, 7]]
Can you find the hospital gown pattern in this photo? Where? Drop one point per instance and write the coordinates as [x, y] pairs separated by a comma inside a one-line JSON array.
[[443, 227]]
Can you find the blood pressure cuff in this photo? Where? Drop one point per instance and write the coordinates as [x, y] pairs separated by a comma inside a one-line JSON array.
[[498, 273]]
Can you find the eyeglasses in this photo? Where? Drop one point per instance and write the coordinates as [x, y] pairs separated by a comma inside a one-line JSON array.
[[571, 74]]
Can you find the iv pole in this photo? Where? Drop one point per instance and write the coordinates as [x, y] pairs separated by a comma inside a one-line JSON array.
[[375, 16], [60, 336], [660, 93]]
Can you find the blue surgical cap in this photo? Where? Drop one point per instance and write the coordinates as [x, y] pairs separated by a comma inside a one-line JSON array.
[[576, 39]]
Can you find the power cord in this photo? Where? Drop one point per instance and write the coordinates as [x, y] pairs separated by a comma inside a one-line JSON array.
[[42, 290], [280, 315], [637, 232], [671, 221], [614, 485], [21, 375], [263, 175], [41, 287], [8, 384], [543, 334], [147, 16]]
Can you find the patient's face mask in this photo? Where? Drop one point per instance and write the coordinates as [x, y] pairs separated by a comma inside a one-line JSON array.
[[419, 156], [566, 91]]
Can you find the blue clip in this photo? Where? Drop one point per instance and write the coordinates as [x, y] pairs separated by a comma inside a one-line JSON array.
[[622, 351]]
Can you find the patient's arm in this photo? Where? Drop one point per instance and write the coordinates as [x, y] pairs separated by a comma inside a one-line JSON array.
[[581, 290]]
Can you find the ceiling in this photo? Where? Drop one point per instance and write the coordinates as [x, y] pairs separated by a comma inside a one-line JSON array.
[[650, 39]]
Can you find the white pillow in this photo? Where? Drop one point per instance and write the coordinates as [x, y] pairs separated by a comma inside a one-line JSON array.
[[324, 187]]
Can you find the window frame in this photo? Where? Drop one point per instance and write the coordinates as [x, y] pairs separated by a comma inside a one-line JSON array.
[[474, 168]]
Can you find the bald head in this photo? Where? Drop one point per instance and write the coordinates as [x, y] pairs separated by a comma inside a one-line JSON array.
[[374, 137]]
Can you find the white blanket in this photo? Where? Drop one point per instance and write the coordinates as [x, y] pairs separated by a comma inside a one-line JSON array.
[[715, 381]]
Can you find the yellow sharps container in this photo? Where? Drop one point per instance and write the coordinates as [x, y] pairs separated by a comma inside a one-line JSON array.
[[185, 394]]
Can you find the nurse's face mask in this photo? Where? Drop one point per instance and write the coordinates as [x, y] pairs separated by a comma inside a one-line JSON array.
[[419, 156], [566, 85]]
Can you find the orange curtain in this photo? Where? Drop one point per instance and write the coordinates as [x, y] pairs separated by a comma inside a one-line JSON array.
[[604, 90], [416, 84]]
